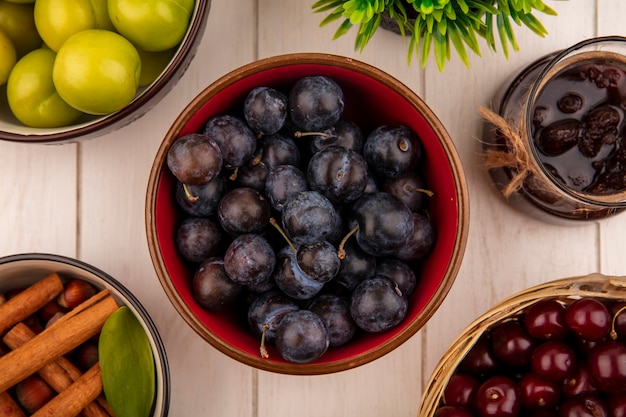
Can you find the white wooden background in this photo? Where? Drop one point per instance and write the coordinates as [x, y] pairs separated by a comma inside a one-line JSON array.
[[86, 200]]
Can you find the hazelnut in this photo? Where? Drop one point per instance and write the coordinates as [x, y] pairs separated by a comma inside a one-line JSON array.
[[33, 393], [75, 292]]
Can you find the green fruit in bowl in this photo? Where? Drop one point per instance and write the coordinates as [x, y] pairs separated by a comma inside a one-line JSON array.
[[31, 93], [57, 20], [17, 21], [8, 57], [97, 71], [152, 25]]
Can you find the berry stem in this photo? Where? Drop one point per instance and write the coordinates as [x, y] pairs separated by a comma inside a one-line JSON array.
[[341, 252], [613, 333], [274, 223], [188, 193], [233, 176], [299, 134], [263, 349], [429, 193]]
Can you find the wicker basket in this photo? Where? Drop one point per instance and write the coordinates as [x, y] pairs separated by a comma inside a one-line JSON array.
[[567, 290]]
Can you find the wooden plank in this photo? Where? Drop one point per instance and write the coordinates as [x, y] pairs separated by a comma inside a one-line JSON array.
[[113, 184], [39, 203], [507, 251]]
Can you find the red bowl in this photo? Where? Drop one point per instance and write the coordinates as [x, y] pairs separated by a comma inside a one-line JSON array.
[[372, 98]]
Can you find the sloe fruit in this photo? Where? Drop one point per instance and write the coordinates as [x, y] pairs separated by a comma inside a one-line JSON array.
[[315, 103], [301, 337], [265, 110], [378, 305], [211, 286], [235, 139], [391, 150], [198, 238], [194, 159]]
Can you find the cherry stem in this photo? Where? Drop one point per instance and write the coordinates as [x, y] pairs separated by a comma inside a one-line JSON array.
[[429, 193], [233, 176], [263, 349], [299, 134], [188, 194], [341, 252], [274, 223], [257, 160], [613, 333]]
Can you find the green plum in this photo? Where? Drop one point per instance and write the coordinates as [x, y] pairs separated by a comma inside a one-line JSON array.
[[31, 94], [152, 25], [8, 57], [57, 20], [97, 71], [17, 21]]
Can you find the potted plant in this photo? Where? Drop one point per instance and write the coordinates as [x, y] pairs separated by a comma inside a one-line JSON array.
[[440, 25]]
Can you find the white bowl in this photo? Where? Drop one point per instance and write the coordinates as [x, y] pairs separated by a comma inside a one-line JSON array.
[[18, 271]]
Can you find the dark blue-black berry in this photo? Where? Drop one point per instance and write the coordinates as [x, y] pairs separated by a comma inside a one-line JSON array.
[[315, 103], [265, 109], [391, 150]]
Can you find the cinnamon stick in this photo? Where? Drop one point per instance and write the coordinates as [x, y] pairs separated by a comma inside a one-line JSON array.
[[72, 400], [55, 373], [8, 406], [75, 373], [29, 300], [54, 342]]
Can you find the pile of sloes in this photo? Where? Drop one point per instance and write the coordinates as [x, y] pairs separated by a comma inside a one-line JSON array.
[[318, 226]]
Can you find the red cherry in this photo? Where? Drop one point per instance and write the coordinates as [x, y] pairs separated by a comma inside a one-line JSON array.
[[538, 394], [498, 396], [460, 390], [579, 382], [617, 405], [451, 411], [588, 318], [607, 366], [512, 344], [553, 360], [545, 319], [480, 360], [584, 406]]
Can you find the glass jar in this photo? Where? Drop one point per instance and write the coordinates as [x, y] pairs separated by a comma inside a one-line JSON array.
[[555, 141]]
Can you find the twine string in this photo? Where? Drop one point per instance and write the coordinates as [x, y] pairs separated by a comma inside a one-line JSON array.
[[517, 157]]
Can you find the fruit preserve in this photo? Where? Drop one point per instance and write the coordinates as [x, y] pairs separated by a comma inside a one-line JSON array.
[[556, 145]]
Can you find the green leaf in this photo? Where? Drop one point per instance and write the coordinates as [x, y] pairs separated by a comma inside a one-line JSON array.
[[442, 26], [503, 5], [489, 34], [440, 49], [331, 18], [533, 24], [457, 41], [342, 29], [482, 7], [325, 5], [427, 38], [463, 6], [469, 36], [127, 365]]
